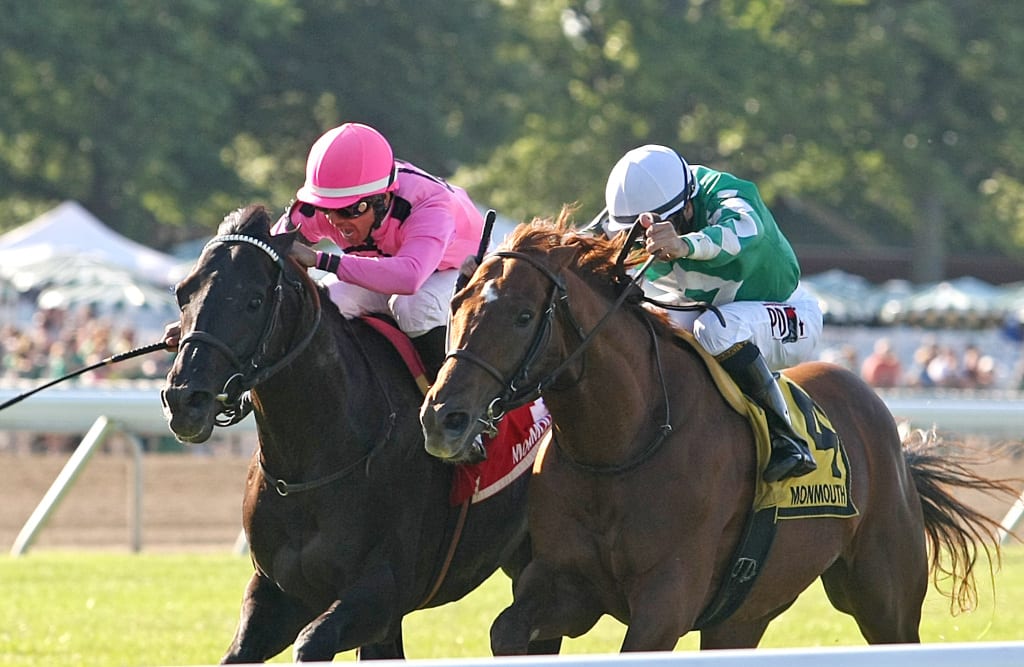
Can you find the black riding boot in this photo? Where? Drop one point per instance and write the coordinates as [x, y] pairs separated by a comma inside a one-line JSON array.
[[432, 349], [790, 456]]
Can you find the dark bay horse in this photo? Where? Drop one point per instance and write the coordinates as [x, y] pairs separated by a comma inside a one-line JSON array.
[[639, 502], [348, 519]]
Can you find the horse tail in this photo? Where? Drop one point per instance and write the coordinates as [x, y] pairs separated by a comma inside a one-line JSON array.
[[957, 534]]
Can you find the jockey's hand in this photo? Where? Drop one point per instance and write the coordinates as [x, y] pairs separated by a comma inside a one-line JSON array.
[[303, 254], [661, 239], [469, 266], [172, 335]]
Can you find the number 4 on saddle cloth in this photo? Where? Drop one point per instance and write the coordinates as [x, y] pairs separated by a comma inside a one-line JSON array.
[[510, 453]]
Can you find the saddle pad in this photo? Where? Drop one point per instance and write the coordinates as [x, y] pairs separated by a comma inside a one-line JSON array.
[[403, 345], [824, 492], [510, 454]]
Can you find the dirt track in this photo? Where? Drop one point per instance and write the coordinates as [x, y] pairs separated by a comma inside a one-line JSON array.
[[190, 502]]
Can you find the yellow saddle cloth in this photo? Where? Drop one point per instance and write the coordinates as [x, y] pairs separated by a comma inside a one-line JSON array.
[[824, 492]]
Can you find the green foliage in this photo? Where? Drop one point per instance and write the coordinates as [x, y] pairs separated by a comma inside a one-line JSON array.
[[181, 609], [125, 108], [900, 120]]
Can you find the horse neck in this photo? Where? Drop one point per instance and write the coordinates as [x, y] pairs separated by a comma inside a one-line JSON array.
[[328, 405], [618, 403]]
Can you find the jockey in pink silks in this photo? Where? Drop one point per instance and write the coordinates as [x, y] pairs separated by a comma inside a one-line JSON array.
[[403, 233]]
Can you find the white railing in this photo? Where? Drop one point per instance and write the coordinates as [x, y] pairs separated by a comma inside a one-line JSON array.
[[73, 410], [64, 481], [137, 411], [991, 654]]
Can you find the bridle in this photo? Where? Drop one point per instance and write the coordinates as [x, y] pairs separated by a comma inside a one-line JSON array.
[[249, 374], [518, 390]]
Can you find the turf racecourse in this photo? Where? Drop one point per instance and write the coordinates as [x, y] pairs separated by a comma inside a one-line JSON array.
[[100, 609]]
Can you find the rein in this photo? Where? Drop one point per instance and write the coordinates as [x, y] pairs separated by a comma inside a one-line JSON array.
[[257, 371], [284, 488], [513, 396]]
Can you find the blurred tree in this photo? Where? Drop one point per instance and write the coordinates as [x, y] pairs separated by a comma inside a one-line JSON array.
[[160, 119], [126, 105], [428, 74], [885, 124], [869, 122], [908, 125]]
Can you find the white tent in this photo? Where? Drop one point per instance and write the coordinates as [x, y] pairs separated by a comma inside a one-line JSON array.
[[69, 230]]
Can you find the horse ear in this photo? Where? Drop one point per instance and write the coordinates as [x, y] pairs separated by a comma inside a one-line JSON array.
[[282, 242], [562, 256]]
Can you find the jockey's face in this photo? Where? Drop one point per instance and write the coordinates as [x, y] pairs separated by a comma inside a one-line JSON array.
[[353, 223]]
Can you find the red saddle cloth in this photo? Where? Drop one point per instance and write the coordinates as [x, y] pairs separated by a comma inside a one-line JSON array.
[[510, 454]]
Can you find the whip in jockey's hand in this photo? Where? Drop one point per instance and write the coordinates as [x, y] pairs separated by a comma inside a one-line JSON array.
[[662, 239], [469, 266]]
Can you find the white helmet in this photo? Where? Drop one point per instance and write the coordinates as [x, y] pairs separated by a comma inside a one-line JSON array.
[[649, 179]]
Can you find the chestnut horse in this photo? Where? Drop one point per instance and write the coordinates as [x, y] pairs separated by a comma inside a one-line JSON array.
[[348, 519], [640, 500]]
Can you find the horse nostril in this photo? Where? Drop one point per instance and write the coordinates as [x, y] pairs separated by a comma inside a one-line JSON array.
[[455, 422], [198, 399]]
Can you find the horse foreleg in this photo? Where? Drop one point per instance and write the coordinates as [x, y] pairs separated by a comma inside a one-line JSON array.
[[269, 622], [663, 606], [392, 650], [514, 567], [734, 635], [365, 614], [547, 605]]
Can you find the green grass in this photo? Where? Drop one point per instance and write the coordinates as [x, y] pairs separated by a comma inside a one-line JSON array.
[[120, 609]]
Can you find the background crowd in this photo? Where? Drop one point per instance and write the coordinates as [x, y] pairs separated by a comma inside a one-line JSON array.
[[932, 365], [57, 341]]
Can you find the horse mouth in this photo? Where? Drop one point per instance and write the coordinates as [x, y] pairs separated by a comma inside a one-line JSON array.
[[191, 422], [454, 438], [467, 451]]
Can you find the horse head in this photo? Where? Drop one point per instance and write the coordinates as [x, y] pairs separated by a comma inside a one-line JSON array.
[[512, 332], [239, 314]]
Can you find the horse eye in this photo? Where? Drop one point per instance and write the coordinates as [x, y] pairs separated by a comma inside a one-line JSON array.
[[524, 318], [255, 303]]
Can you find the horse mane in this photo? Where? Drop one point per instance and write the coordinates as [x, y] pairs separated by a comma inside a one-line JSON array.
[[596, 257], [252, 220]]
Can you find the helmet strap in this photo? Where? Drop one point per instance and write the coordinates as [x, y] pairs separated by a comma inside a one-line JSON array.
[[380, 206]]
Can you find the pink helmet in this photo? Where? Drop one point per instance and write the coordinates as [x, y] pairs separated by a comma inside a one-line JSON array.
[[348, 163]]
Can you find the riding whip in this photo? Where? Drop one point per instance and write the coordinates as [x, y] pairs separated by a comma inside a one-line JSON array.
[[485, 240], [121, 356]]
